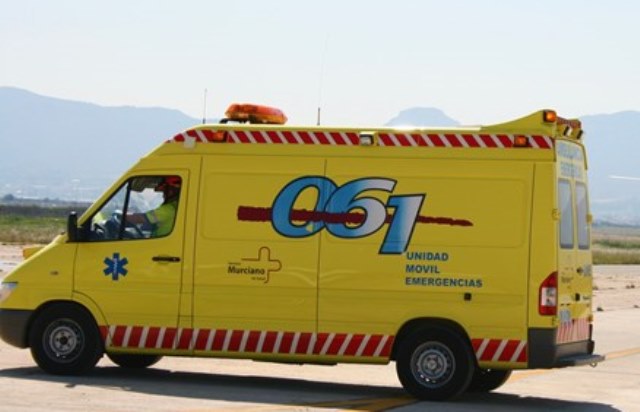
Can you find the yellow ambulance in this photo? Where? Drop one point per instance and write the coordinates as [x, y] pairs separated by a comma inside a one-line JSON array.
[[460, 253]]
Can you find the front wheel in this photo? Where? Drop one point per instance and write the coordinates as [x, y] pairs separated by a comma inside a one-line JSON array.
[[134, 361], [65, 340], [435, 364]]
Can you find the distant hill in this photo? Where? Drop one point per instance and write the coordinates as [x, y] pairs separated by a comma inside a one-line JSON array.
[[53, 147], [422, 116]]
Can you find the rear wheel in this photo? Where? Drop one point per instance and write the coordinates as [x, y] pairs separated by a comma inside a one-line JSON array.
[[65, 340], [134, 361], [486, 380], [435, 364]]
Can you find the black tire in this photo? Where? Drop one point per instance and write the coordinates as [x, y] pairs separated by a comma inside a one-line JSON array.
[[133, 361], [435, 364], [65, 340], [486, 380]]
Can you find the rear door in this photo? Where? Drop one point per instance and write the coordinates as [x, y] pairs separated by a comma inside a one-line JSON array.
[[574, 257]]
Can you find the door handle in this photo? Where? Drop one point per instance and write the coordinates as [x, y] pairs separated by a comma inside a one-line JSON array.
[[580, 270], [171, 259]]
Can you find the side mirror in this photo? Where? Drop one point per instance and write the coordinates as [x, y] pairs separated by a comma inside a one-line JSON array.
[[72, 227]]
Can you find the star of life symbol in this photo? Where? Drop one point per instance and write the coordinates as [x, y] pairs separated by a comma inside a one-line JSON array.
[[115, 266]]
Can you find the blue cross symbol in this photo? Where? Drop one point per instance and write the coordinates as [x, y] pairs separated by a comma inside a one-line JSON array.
[[115, 266]]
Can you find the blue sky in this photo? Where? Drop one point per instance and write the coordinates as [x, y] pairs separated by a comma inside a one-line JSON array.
[[363, 61]]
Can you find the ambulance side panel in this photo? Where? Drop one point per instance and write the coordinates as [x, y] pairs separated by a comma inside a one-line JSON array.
[[254, 289], [467, 260]]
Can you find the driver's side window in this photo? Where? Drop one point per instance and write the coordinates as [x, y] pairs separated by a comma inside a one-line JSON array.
[[105, 224], [144, 207]]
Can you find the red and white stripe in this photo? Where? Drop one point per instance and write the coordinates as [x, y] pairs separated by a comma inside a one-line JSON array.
[[337, 138], [248, 341], [573, 331], [271, 137], [461, 140], [500, 350], [196, 135], [287, 343], [293, 137]]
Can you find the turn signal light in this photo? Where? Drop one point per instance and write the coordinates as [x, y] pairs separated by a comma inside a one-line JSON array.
[[219, 136], [549, 116], [521, 141]]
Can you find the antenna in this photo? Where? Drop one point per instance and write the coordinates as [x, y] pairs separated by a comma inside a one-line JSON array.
[[204, 109], [322, 64]]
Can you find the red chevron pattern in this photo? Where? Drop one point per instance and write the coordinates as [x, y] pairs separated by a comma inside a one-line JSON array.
[[336, 138], [286, 343], [573, 331], [500, 350], [248, 341]]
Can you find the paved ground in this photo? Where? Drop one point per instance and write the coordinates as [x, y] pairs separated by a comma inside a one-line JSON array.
[[198, 385]]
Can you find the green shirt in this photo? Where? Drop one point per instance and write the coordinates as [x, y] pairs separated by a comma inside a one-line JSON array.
[[163, 218]]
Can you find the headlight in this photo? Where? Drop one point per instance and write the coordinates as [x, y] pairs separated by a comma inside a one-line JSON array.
[[6, 289]]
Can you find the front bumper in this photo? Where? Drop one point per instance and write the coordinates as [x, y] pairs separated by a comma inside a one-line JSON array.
[[14, 325]]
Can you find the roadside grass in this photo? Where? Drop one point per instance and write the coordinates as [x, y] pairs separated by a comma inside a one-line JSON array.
[[624, 244], [30, 224], [616, 245], [30, 229], [615, 257]]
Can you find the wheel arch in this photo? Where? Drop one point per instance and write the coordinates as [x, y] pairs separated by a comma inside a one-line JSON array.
[[417, 324]]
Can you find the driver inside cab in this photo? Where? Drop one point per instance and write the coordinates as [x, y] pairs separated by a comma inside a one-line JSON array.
[[161, 219], [149, 205]]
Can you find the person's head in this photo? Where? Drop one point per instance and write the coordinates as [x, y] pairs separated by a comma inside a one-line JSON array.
[[170, 187]]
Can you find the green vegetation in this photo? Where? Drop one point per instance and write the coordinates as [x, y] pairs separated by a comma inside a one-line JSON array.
[[616, 245], [21, 229], [608, 257], [31, 224]]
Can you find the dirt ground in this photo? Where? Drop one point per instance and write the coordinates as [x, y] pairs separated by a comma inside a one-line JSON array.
[[10, 254], [615, 286]]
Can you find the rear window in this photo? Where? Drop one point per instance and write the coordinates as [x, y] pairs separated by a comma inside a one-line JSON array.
[[582, 210], [566, 214]]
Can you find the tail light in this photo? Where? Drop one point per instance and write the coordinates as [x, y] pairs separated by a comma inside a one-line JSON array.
[[548, 303]]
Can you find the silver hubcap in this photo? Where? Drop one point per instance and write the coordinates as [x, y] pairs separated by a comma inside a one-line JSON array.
[[432, 364], [64, 340]]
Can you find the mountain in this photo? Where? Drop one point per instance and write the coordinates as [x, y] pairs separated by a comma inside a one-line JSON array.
[[422, 116], [59, 148], [72, 150]]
